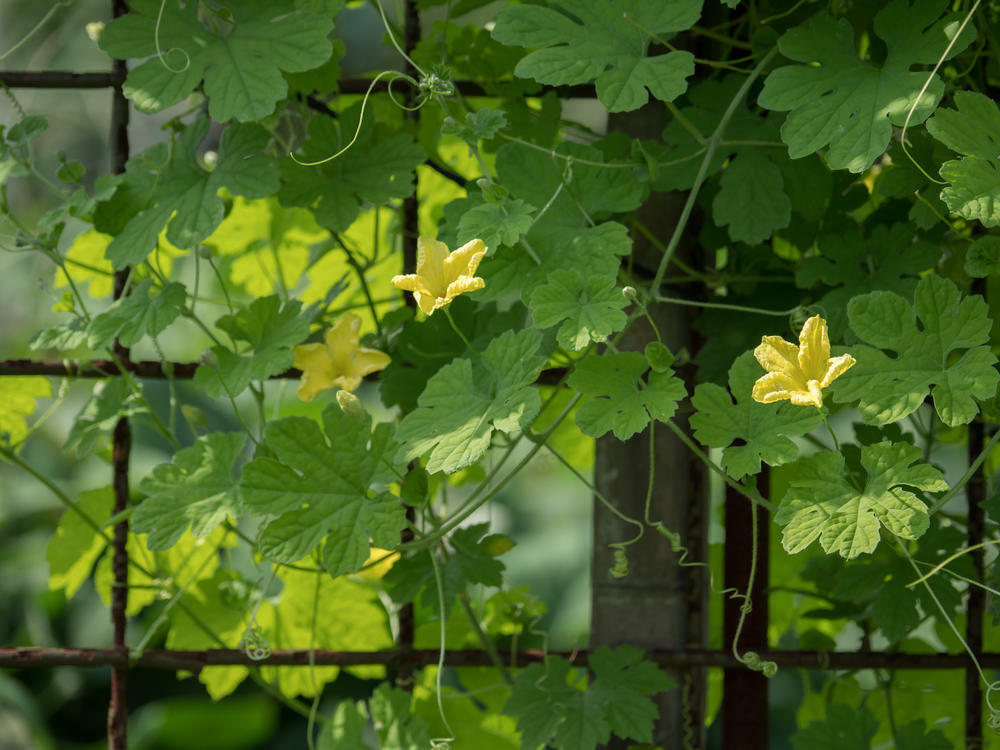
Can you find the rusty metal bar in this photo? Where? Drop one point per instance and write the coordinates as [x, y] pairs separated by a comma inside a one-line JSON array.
[[121, 444], [411, 230], [30, 657], [744, 691], [975, 492], [63, 79]]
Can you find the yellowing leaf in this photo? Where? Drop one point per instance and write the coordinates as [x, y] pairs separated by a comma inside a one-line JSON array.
[[17, 401], [86, 264]]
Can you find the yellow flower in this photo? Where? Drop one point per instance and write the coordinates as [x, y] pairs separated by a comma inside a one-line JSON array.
[[441, 276], [799, 373], [340, 361]]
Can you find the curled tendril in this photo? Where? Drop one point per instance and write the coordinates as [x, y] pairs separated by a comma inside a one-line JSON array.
[[993, 721], [620, 568], [254, 643], [752, 660], [160, 54]]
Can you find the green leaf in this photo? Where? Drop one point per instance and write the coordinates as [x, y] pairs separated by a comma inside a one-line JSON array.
[[270, 328], [821, 503], [86, 264], [196, 489], [890, 259], [185, 194], [837, 99], [974, 192], [377, 168], [616, 400], [17, 401], [844, 729], [466, 400], [397, 727], [110, 401], [136, 315], [983, 257], [496, 223], [76, 545], [241, 65], [259, 238], [63, 337], [551, 712], [591, 308], [26, 129], [763, 430], [473, 562], [890, 387], [345, 729], [605, 43], [480, 125], [318, 485], [751, 200]]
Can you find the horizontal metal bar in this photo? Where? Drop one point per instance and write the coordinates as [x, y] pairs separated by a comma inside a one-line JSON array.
[[154, 369], [26, 658], [64, 79], [59, 79]]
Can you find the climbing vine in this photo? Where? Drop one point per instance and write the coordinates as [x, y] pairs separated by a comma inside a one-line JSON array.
[[836, 167]]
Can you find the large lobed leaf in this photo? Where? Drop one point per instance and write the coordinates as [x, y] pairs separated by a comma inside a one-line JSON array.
[[926, 355], [763, 429], [241, 65], [466, 400], [837, 99], [822, 503], [316, 483]]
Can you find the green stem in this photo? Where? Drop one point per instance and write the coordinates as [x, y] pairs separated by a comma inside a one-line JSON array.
[[973, 468], [748, 492], [456, 329], [713, 145], [836, 443]]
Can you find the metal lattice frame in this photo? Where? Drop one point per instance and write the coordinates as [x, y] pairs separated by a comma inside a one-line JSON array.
[[744, 709]]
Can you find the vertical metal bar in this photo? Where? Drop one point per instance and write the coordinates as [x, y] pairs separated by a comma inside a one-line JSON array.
[[411, 36], [121, 447], [744, 692], [975, 492]]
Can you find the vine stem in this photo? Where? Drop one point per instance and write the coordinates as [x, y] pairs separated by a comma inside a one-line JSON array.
[[441, 653], [748, 492], [713, 144], [973, 468]]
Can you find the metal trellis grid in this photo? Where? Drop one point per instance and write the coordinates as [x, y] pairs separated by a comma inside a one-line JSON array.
[[745, 704]]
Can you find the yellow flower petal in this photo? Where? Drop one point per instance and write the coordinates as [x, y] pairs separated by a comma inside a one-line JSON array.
[[441, 276], [798, 373], [338, 362]]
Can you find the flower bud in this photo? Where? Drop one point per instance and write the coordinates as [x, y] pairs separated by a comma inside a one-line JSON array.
[[350, 404]]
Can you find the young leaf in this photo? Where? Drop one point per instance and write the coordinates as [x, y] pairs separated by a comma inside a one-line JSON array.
[[889, 388], [317, 484], [496, 223], [837, 99], [616, 401], [591, 308], [821, 503], [764, 429], [136, 315], [196, 489], [241, 66], [185, 194], [397, 727], [111, 400], [466, 400], [974, 192], [271, 328], [551, 712], [607, 45]]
